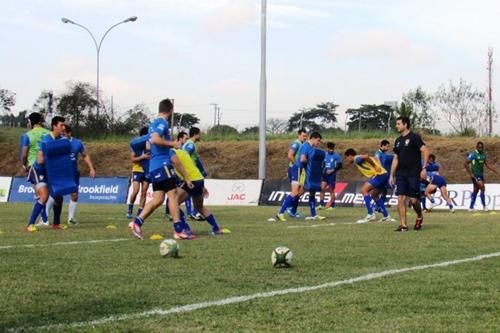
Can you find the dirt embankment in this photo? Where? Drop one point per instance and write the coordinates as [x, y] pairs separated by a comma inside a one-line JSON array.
[[232, 159]]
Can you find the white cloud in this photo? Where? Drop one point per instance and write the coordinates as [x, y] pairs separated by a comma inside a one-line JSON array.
[[231, 17]]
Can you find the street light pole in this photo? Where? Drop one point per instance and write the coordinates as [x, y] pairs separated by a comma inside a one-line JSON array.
[[98, 46], [263, 93]]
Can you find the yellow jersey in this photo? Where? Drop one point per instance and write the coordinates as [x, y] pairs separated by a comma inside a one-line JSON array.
[[193, 173], [367, 169]]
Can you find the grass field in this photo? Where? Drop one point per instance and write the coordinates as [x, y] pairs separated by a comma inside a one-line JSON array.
[[64, 280]]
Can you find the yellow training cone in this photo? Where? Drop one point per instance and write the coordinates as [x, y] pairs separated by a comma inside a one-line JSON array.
[[491, 213], [156, 237], [111, 226]]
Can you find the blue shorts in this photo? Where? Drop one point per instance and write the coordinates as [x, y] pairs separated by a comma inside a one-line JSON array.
[[329, 179], [379, 182], [439, 181], [197, 190], [140, 177], [408, 186], [161, 174], [293, 173], [37, 176], [477, 178]]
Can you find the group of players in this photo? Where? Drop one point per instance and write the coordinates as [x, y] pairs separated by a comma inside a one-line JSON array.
[[174, 169], [411, 171]]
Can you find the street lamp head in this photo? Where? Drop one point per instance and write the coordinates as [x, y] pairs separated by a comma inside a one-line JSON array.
[[65, 20], [131, 19]]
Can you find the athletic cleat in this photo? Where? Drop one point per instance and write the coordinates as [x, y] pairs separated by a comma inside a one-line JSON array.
[[418, 223], [402, 228], [485, 209], [42, 224], [471, 210], [329, 208], [130, 216], [56, 226], [136, 230], [432, 205], [72, 222], [297, 215], [199, 217], [388, 218], [367, 218], [318, 217], [183, 235], [452, 210], [221, 231], [30, 228], [281, 217]]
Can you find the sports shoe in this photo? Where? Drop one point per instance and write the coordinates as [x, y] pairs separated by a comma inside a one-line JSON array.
[[418, 223], [471, 210], [130, 216], [485, 209], [56, 226], [72, 222], [183, 235], [199, 217], [320, 207], [432, 205], [221, 231], [329, 208], [367, 218], [136, 230], [42, 224], [281, 217], [297, 215], [452, 210], [402, 228], [318, 217], [388, 218], [30, 228]]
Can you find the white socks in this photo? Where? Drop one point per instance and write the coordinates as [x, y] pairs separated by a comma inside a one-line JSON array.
[[49, 205], [72, 209]]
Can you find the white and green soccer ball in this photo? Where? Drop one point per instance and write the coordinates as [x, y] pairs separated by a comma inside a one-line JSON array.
[[169, 248], [281, 257]]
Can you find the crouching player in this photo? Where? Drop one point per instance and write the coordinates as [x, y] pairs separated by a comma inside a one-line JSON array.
[[378, 178], [438, 182], [197, 192]]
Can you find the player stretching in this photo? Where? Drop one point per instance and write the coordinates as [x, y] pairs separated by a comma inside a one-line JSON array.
[[332, 164], [385, 160], [432, 169], [371, 189], [438, 182], [190, 147], [162, 173], [292, 200], [474, 165], [406, 171], [139, 155]]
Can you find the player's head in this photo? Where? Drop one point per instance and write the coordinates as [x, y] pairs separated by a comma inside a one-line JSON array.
[[385, 145], [57, 125], [349, 155], [480, 146], [195, 133], [67, 130], [143, 131], [330, 146], [182, 137], [315, 139], [302, 135], [35, 118], [165, 108], [432, 158], [402, 124]]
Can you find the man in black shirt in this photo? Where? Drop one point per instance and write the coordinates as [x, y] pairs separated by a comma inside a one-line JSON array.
[[407, 170]]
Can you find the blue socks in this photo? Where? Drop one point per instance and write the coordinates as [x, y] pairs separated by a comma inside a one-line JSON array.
[[211, 220], [287, 203], [37, 209], [130, 208], [178, 226], [43, 214], [185, 225], [423, 202], [381, 205], [472, 200], [368, 204], [139, 211], [189, 206], [139, 221], [295, 205], [483, 199], [57, 214], [312, 204]]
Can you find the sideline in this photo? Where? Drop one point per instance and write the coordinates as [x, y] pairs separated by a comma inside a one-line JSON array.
[[6, 247]]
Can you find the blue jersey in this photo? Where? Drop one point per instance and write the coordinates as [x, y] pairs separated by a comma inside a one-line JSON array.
[[295, 147], [76, 148], [304, 150], [432, 168], [159, 154], [385, 159], [332, 160]]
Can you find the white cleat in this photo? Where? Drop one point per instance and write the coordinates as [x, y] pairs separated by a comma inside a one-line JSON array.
[[368, 218], [485, 209], [388, 218]]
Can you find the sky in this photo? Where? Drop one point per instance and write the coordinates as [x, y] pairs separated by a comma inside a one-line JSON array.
[[349, 52]]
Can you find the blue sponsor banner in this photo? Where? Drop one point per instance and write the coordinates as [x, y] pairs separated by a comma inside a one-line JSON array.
[[110, 190]]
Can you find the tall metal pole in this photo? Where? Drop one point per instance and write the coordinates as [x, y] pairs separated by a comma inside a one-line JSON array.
[[215, 112], [490, 92], [263, 95]]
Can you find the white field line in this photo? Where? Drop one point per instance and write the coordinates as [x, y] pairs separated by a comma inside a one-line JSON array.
[[6, 247], [319, 225], [240, 299]]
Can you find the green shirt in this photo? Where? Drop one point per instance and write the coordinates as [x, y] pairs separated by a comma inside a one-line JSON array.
[[477, 162], [34, 136]]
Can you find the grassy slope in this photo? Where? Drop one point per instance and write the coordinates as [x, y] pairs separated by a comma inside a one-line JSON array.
[[62, 284]]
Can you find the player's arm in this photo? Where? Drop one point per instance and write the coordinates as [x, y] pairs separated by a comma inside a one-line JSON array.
[[134, 158], [39, 157], [23, 151], [367, 159], [467, 164], [489, 166], [394, 166], [179, 167], [291, 155], [88, 161], [156, 139]]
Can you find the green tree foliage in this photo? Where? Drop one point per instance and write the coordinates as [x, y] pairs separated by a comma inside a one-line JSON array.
[[134, 119], [185, 120], [251, 130], [322, 116], [222, 130], [78, 106], [369, 117], [420, 104], [7, 100], [275, 126], [45, 103]]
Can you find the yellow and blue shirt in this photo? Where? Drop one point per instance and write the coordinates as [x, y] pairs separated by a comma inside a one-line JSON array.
[[367, 169]]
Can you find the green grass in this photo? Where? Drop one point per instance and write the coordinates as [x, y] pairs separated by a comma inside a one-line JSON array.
[[83, 282], [11, 134]]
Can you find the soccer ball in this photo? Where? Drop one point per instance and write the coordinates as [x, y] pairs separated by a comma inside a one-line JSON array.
[[281, 257], [169, 248]]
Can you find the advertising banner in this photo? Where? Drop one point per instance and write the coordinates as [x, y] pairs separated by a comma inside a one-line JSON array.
[[460, 195], [97, 191], [4, 188]]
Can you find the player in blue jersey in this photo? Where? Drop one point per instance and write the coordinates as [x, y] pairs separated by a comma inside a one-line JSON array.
[[436, 181], [38, 176], [385, 159], [432, 169], [190, 147], [139, 156], [182, 138], [312, 160], [292, 200], [161, 166], [474, 165], [332, 164]]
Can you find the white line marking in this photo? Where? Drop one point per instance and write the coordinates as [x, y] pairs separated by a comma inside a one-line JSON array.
[[319, 225], [240, 299], [64, 243]]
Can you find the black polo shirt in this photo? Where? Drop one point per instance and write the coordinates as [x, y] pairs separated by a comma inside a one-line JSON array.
[[409, 156]]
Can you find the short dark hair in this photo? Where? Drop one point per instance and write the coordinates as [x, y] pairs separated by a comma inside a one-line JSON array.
[[35, 118], [302, 130], [405, 120], [165, 106], [432, 156], [350, 152], [193, 131], [315, 135], [479, 143], [330, 145], [143, 131], [181, 135], [384, 142], [56, 120]]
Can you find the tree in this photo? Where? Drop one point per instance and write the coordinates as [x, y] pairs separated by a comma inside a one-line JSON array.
[[275, 126], [222, 130], [7, 100], [463, 106], [251, 130], [134, 119], [322, 116], [45, 103], [369, 117], [420, 103], [185, 120], [78, 105]]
